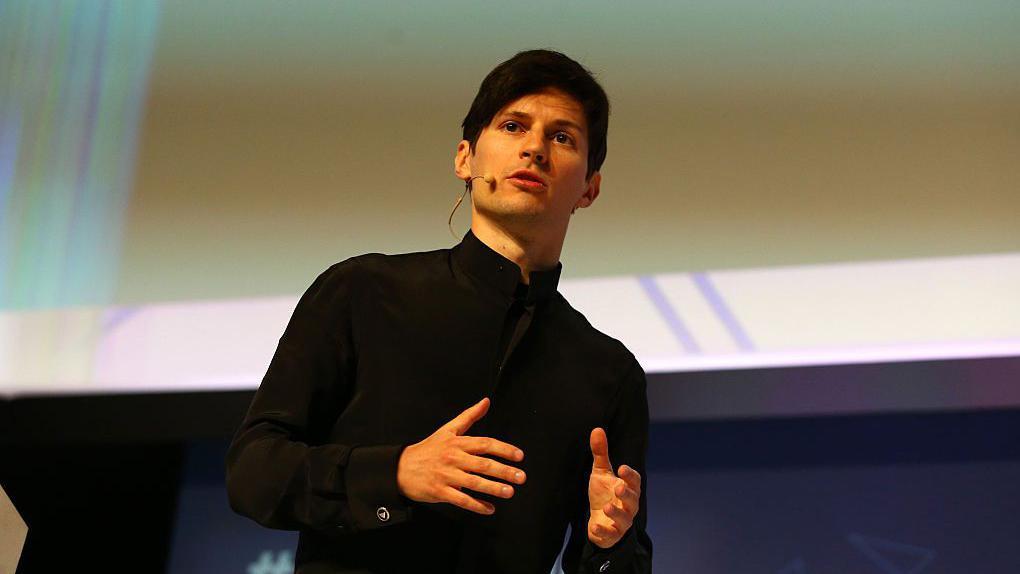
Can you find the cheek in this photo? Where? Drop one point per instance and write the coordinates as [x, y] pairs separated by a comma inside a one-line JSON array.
[[573, 175], [490, 159]]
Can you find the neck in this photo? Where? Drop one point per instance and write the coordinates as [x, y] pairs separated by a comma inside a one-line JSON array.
[[536, 252]]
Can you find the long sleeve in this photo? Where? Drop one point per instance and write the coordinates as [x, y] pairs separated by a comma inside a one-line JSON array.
[[280, 469], [627, 431]]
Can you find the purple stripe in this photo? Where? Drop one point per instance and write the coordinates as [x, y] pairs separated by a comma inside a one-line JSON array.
[[669, 314], [10, 133], [873, 547], [95, 84], [79, 248], [715, 300], [116, 316]]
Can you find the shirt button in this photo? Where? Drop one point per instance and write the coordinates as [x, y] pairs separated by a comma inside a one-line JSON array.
[[382, 514], [500, 267], [604, 567]]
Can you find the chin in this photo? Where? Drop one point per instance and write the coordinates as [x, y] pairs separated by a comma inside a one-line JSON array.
[[513, 211], [530, 203]]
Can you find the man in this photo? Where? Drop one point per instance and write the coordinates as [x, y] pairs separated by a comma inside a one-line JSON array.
[[448, 411]]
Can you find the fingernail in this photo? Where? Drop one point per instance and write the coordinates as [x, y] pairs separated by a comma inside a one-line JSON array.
[[519, 476], [507, 491], [519, 454]]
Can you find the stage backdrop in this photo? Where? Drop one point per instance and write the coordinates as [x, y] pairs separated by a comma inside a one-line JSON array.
[[787, 184]]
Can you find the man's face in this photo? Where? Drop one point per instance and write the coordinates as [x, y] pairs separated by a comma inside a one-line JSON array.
[[536, 148]]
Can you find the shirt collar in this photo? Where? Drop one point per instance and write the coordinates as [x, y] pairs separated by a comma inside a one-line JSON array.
[[489, 266]]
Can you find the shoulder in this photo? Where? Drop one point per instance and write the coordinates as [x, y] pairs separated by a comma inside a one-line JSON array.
[[612, 354], [372, 268], [362, 275], [610, 370], [347, 284]]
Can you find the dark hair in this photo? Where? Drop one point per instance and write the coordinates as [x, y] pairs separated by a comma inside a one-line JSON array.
[[531, 72]]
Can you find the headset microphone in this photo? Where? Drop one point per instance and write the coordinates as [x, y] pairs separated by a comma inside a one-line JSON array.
[[489, 179]]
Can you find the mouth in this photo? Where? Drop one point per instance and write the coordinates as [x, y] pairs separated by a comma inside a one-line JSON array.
[[528, 180]]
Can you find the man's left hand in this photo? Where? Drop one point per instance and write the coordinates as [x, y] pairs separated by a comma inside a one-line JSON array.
[[613, 499]]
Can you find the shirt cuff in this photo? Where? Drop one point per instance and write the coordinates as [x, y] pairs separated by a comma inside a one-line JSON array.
[[616, 558], [371, 478]]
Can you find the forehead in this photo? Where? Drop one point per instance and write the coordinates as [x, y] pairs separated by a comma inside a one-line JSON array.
[[550, 106]]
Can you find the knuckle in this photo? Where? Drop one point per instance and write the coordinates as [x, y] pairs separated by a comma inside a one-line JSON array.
[[488, 487], [474, 483], [496, 489], [492, 488], [468, 503], [444, 477]]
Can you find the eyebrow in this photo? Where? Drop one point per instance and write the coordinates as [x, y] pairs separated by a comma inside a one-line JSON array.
[[557, 122]]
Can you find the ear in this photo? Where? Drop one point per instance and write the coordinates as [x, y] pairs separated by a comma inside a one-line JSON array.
[[461, 163], [590, 192]]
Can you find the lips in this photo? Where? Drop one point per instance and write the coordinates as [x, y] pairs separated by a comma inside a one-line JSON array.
[[527, 179]]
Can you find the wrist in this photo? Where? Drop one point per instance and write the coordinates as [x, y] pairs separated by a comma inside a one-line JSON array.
[[403, 471], [372, 492]]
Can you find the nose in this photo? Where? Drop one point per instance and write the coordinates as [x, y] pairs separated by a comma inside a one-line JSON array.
[[533, 148]]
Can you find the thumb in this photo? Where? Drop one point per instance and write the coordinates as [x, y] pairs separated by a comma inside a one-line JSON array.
[[462, 422], [600, 450]]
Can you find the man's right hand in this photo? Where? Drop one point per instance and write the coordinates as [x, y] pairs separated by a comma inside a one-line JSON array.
[[437, 468]]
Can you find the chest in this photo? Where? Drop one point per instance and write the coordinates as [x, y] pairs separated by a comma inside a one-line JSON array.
[[420, 364]]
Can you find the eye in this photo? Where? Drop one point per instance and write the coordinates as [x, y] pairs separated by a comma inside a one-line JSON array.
[[563, 138], [512, 127]]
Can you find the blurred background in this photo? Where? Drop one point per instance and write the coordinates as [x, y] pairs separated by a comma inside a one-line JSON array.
[[808, 233]]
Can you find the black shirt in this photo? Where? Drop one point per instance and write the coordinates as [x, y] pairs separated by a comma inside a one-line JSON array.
[[380, 352]]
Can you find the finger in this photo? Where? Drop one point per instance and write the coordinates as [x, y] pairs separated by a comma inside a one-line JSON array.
[[462, 422], [631, 476], [604, 532], [458, 498], [489, 467], [629, 499], [600, 450], [620, 516], [483, 485], [487, 445]]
